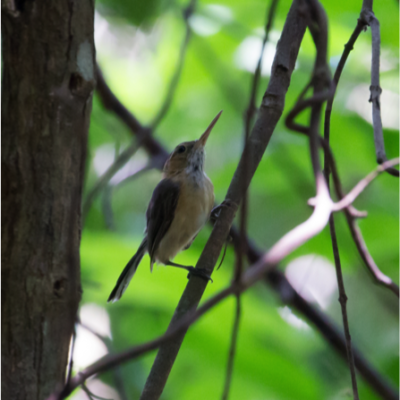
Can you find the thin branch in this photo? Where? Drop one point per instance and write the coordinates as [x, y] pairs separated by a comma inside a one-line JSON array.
[[356, 234], [118, 379], [187, 12], [111, 102], [343, 301], [358, 189], [102, 182], [106, 206], [257, 74], [350, 213], [71, 359], [329, 160], [110, 189], [148, 167], [91, 395], [320, 75], [232, 350], [369, 18], [339, 69], [248, 118]]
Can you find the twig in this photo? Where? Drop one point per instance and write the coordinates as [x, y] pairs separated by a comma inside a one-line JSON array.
[[347, 49], [106, 206], [232, 350], [319, 34], [361, 185], [350, 214], [111, 102], [178, 70], [71, 360], [342, 294], [248, 117], [256, 77], [92, 395], [118, 380], [369, 18], [120, 161], [343, 301], [351, 217], [110, 189]]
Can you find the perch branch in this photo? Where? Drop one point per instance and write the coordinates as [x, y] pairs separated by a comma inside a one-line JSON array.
[[270, 112]]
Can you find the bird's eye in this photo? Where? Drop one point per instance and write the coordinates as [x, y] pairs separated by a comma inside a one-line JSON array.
[[181, 149]]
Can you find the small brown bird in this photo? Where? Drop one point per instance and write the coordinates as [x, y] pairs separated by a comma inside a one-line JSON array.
[[179, 207]]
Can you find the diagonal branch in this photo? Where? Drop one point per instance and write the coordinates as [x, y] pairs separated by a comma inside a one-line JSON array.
[[270, 112], [187, 12], [102, 182]]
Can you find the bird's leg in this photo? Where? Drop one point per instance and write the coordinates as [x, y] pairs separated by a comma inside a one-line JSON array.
[[192, 271]]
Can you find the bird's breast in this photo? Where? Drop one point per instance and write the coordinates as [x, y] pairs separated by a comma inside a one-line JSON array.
[[192, 212]]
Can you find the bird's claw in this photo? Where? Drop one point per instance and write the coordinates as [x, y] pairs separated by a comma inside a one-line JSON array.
[[198, 272], [216, 211]]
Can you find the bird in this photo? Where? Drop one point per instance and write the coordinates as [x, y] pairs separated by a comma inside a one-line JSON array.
[[180, 206]]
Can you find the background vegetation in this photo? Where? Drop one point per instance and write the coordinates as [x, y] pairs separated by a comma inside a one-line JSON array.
[[279, 356]]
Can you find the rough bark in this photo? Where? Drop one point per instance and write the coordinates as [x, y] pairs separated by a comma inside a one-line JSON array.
[[47, 85]]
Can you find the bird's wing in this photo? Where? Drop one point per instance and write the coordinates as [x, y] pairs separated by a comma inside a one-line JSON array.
[[160, 213]]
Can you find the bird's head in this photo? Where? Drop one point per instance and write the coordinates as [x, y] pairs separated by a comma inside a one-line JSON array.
[[189, 156]]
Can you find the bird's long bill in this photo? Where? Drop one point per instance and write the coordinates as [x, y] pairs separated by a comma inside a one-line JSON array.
[[203, 139]]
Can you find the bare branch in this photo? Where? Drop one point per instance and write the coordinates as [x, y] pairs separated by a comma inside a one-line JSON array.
[[111, 102], [118, 380], [356, 234], [343, 302], [71, 357], [347, 49], [178, 71], [91, 395], [248, 118], [232, 350], [369, 18], [120, 161], [342, 294], [319, 81], [355, 192]]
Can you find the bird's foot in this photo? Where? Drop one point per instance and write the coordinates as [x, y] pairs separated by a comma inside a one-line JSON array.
[[198, 272], [216, 211]]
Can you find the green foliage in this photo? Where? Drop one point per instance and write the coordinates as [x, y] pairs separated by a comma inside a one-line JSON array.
[[279, 356]]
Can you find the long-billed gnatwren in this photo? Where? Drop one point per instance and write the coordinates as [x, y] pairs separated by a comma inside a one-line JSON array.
[[179, 207]]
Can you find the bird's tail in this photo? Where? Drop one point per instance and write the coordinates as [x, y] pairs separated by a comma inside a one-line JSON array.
[[128, 272]]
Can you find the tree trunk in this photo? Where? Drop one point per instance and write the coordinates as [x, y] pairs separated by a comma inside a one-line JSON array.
[[47, 85]]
